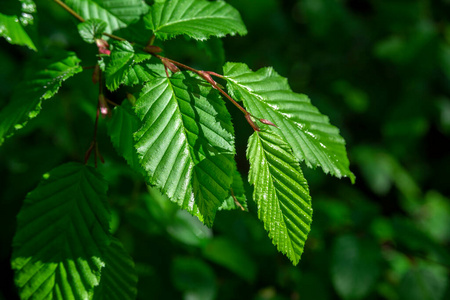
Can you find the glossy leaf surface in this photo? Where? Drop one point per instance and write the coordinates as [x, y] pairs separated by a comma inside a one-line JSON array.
[[91, 29], [62, 234], [281, 192], [186, 142], [42, 84], [198, 19], [116, 13], [313, 139], [13, 23]]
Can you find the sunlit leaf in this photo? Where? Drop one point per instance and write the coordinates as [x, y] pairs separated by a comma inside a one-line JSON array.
[[92, 29], [281, 192], [267, 95], [116, 13], [13, 23], [198, 19], [119, 277], [40, 85], [123, 58], [62, 234], [186, 142]]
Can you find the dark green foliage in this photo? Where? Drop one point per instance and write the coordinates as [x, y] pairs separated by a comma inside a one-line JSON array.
[[377, 70]]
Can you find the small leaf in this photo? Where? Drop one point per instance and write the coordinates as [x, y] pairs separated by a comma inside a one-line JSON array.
[[116, 13], [198, 19], [281, 192], [123, 124], [91, 29], [41, 85], [119, 276], [186, 142], [123, 58], [309, 133], [13, 24], [62, 233]]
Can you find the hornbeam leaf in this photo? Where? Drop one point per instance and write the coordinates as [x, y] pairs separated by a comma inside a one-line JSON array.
[[309, 133], [119, 277], [91, 29], [237, 190], [186, 142], [41, 85], [123, 124], [116, 13], [122, 59], [281, 192], [62, 234], [198, 19], [14, 21]]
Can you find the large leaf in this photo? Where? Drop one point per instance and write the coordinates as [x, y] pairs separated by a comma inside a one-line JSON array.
[[186, 142], [198, 19], [62, 234], [123, 58], [119, 277], [281, 192], [14, 20], [116, 13], [40, 85], [267, 95]]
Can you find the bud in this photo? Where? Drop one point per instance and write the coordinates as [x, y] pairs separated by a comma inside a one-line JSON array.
[[103, 46], [152, 49], [267, 122], [170, 65], [103, 104]]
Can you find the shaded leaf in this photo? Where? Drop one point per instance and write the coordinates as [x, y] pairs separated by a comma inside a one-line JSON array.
[[62, 233], [119, 276], [116, 13], [123, 124], [267, 95], [198, 19], [238, 190], [91, 29], [186, 142], [123, 57], [40, 85], [281, 192], [229, 254]]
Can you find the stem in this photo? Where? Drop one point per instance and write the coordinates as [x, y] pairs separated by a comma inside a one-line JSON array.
[[212, 82], [114, 37], [69, 10]]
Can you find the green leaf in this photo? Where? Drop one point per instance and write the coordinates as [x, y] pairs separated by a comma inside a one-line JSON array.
[[142, 73], [228, 253], [13, 23], [123, 124], [122, 58], [92, 29], [239, 192], [119, 276], [281, 192], [116, 13], [198, 19], [62, 233], [41, 85], [186, 142], [267, 95]]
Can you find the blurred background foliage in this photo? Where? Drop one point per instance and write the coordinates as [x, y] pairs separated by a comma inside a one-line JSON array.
[[379, 69]]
